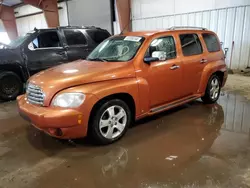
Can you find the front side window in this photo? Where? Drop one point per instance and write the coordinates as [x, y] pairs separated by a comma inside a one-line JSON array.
[[163, 45], [48, 39], [190, 44], [211, 42], [120, 48], [75, 37]]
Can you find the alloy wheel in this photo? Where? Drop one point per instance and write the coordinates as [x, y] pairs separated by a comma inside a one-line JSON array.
[[113, 122]]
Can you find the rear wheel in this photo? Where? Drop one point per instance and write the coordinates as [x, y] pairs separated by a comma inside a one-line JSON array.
[[10, 86], [110, 122], [213, 89]]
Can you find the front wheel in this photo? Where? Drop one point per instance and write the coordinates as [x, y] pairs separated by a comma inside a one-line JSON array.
[[213, 89], [110, 122], [10, 86]]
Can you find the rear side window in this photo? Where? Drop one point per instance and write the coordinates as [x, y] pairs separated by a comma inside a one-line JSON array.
[[190, 44], [75, 37], [211, 42], [98, 35]]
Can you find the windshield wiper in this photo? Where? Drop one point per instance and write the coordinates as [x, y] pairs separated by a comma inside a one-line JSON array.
[[97, 59]]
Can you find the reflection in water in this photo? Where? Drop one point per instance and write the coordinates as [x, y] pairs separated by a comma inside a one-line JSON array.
[[193, 146], [169, 151], [117, 158], [237, 113]]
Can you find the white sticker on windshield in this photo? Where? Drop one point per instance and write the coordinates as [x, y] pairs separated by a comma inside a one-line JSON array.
[[133, 39]]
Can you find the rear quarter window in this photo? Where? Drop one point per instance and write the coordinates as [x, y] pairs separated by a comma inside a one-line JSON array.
[[212, 42], [98, 35]]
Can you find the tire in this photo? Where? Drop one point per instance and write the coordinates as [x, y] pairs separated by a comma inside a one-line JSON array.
[[10, 86], [113, 127], [213, 89]]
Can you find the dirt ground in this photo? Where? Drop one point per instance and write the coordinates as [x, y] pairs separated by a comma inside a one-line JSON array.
[[238, 83]]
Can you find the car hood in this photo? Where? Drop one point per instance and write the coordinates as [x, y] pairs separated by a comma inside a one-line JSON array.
[[81, 72]]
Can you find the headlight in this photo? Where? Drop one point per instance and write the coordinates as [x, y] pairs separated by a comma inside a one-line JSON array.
[[68, 100]]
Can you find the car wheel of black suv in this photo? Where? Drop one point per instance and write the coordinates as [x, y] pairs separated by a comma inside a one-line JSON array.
[[10, 86], [110, 121], [213, 89]]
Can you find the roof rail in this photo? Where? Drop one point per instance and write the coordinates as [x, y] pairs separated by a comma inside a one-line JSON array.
[[83, 27], [186, 27]]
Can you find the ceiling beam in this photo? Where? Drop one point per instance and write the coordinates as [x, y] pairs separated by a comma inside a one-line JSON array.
[[7, 16], [49, 8]]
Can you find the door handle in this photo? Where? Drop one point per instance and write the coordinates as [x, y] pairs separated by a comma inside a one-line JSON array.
[[174, 67], [203, 61]]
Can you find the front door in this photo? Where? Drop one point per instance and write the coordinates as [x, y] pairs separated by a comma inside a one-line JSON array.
[[77, 44], [194, 61], [165, 75], [45, 51]]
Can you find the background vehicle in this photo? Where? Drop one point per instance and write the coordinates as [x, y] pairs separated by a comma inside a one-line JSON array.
[[126, 78], [41, 49]]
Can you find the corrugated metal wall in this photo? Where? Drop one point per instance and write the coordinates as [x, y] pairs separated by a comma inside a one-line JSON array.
[[231, 24]]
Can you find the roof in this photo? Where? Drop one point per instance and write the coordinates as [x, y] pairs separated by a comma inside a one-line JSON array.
[[68, 27]]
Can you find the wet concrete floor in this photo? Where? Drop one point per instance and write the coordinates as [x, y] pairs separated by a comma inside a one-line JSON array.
[[194, 145]]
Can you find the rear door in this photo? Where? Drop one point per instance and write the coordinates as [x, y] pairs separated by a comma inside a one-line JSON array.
[[193, 60], [45, 51], [77, 44]]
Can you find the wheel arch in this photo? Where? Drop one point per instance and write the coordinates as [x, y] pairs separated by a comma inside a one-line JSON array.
[[206, 75], [126, 97], [17, 69]]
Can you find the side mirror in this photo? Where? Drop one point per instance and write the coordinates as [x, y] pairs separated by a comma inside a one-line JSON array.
[[31, 46], [161, 55], [148, 60]]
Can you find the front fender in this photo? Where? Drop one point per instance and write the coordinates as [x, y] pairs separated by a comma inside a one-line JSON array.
[[106, 88], [17, 68]]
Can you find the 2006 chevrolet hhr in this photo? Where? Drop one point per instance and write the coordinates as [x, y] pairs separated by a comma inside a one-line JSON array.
[[127, 77]]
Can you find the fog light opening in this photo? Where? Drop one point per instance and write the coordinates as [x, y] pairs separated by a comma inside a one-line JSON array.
[[55, 131]]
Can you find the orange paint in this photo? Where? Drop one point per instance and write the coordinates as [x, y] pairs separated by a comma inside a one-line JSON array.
[[152, 86]]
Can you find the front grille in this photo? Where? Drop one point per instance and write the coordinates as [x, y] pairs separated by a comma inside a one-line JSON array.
[[35, 95]]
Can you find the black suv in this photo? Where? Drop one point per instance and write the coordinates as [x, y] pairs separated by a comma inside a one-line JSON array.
[[41, 49]]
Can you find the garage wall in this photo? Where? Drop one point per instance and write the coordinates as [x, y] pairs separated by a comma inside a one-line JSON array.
[[229, 19], [90, 13], [28, 23]]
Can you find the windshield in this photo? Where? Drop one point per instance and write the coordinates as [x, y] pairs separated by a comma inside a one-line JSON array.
[[17, 42], [120, 48]]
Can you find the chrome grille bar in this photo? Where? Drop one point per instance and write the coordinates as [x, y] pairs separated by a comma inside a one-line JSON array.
[[35, 95]]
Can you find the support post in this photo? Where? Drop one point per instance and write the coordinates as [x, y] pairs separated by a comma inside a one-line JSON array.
[[50, 10], [7, 16], [123, 8]]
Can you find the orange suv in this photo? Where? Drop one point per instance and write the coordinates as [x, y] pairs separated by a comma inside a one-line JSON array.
[[126, 78]]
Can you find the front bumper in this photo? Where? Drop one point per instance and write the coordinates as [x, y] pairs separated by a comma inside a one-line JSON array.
[[57, 122]]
